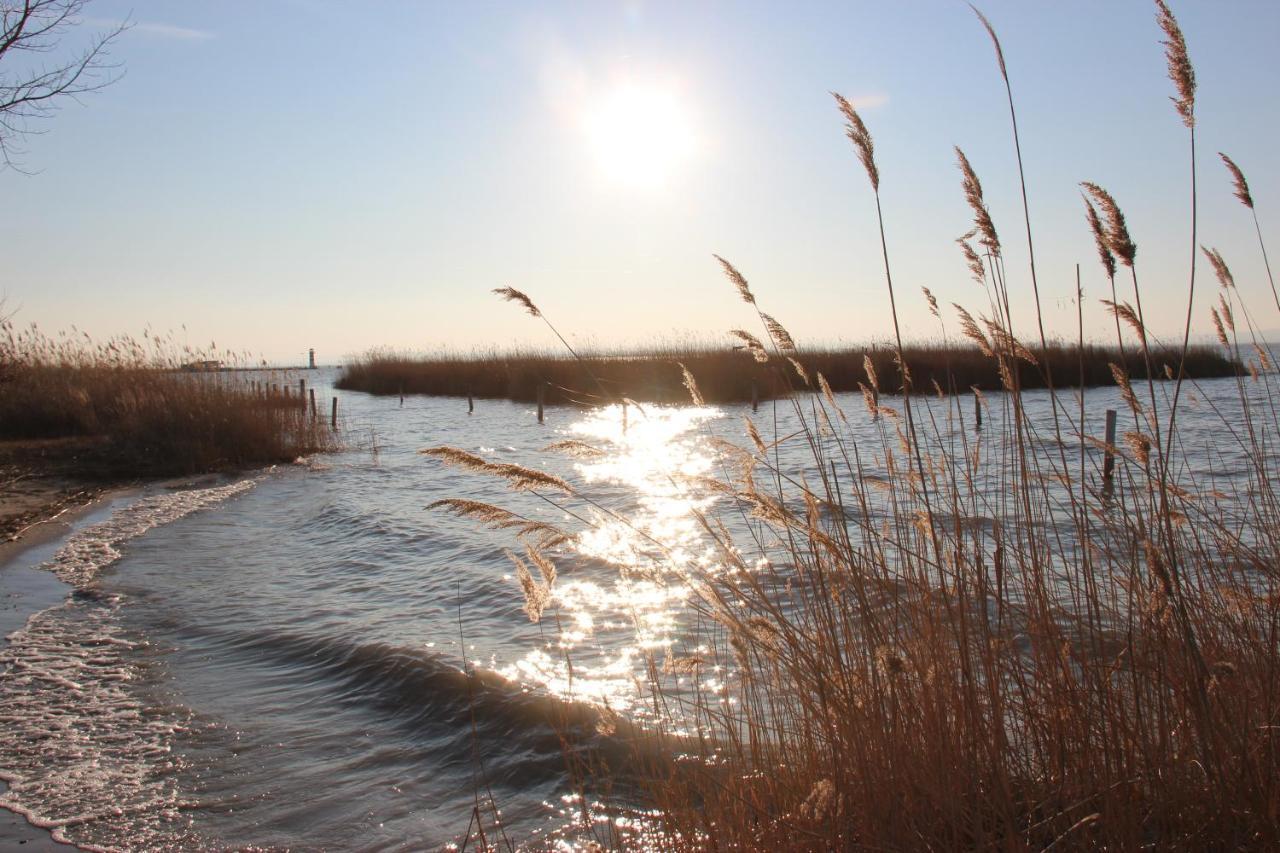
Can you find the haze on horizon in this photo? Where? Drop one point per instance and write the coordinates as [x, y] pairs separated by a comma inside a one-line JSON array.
[[300, 176]]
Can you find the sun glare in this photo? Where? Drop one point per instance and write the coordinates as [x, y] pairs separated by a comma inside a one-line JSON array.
[[640, 135]]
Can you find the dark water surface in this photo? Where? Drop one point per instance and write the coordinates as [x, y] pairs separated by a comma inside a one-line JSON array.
[[277, 660]]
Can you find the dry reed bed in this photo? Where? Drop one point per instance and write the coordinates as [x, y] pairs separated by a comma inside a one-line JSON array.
[[1094, 666], [146, 416], [727, 376]]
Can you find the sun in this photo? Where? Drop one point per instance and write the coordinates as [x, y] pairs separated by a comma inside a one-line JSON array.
[[640, 134]]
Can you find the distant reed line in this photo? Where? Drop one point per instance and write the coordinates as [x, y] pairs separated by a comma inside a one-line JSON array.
[[730, 376]]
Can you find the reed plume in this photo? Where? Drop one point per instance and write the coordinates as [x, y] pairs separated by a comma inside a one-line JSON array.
[[1181, 72], [1105, 254], [1240, 187], [861, 139], [1220, 268], [976, 268], [752, 343], [738, 280], [575, 448], [1217, 327], [1117, 232], [781, 337], [510, 294], [973, 195], [536, 595], [970, 329], [932, 300], [692, 385], [518, 477], [498, 518]]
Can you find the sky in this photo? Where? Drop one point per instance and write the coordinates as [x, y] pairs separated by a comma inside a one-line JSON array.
[[279, 175]]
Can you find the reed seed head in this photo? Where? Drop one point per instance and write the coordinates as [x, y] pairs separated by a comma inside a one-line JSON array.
[[799, 369], [1121, 377], [869, 367], [1220, 268], [861, 139], [971, 257], [510, 294], [692, 385], [518, 477], [1181, 72], [781, 337], [995, 40], [986, 228], [1117, 232], [1240, 185], [969, 327], [752, 343], [1100, 238], [933, 302], [1217, 327], [738, 280], [1125, 312]]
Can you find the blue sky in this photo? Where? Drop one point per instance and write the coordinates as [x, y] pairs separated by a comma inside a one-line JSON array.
[[287, 174]]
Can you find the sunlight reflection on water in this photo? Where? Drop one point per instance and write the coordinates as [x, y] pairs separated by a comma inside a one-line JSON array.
[[610, 629]]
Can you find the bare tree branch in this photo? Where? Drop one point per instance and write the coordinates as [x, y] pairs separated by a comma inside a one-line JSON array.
[[35, 91]]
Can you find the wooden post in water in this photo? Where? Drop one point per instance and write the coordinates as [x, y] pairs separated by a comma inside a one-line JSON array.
[[1109, 459], [471, 405], [977, 409], [542, 392], [302, 394], [755, 397], [333, 418], [313, 404], [402, 396]]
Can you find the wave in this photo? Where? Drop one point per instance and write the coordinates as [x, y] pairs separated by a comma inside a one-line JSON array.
[[81, 752], [87, 552], [440, 706]]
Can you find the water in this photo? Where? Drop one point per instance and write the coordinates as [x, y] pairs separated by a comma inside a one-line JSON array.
[[309, 657]]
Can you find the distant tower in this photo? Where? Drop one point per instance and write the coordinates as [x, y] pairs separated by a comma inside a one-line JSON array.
[[311, 358]]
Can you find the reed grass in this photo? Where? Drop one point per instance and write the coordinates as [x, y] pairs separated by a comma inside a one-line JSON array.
[[726, 375], [141, 413], [944, 639]]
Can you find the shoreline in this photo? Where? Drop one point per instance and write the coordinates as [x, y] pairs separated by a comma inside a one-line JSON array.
[[25, 590]]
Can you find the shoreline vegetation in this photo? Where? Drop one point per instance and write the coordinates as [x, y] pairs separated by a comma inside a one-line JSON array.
[[948, 640], [727, 375], [78, 417]]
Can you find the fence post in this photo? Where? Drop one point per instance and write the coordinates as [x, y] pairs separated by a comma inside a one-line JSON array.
[[977, 409], [471, 405], [1109, 460], [542, 392], [313, 404], [302, 394], [755, 397], [333, 418]]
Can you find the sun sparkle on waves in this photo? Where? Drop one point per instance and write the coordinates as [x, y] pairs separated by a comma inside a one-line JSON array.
[[633, 607]]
